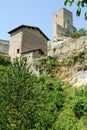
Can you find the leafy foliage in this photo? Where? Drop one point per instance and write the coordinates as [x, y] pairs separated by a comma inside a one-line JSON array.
[[16, 95], [80, 5], [4, 60], [49, 65], [74, 113], [75, 34], [28, 102], [50, 97], [82, 32], [79, 33]]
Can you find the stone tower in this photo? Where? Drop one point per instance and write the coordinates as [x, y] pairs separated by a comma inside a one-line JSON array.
[[86, 24], [26, 38], [63, 23]]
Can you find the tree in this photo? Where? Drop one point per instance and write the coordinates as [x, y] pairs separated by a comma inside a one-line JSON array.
[[28, 102], [75, 34], [50, 96], [82, 32], [16, 98], [80, 5], [4, 60]]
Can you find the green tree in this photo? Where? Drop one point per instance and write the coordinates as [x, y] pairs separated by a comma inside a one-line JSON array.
[[80, 5], [74, 112], [4, 60], [79, 33], [82, 32], [75, 34], [28, 102], [51, 98], [16, 105]]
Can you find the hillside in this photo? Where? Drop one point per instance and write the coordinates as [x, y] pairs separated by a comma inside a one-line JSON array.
[[47, 102], [72, 68]]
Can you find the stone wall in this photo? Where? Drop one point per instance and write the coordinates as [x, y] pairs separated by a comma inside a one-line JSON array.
[[32, 55], [66, 47], [67, 17], [62, 31], [86, 24], [15, 44], [33, 39], [63, 23], [79, 79], [4, 46]]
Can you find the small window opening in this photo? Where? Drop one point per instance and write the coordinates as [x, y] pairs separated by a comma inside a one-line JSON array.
[[54, 50], [18, 50], [67, 21]]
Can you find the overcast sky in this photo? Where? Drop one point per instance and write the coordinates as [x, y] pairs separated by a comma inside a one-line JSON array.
[[39, 13]]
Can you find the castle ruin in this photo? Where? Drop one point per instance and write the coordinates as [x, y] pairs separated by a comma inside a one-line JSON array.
[[31, 42], [26, 41], [86, 24], [63, 23]]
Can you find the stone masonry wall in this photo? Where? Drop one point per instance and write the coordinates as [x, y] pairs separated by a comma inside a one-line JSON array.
[[4, 46], [33, 39], [15, 43], [63, 18], [66, 47]]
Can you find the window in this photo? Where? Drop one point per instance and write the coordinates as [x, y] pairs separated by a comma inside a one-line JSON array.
[[54, 50], [67, 21], [18, 50]]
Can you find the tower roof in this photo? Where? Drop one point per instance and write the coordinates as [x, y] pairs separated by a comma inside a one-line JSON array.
[[26, 26]]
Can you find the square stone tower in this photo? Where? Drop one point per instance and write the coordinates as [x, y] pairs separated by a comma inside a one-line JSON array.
[[63, 23], [26, 38], [86, 24]]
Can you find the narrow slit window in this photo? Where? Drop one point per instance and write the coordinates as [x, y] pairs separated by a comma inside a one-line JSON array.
[[18, 50]]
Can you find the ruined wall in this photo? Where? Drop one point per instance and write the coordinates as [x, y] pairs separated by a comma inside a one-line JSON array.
[[62, 31], [63, 23], [66, 47], [29, 57], [32, 55], [4, 46]]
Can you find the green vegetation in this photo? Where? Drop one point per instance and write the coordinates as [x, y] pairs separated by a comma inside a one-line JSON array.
[[28, 102], [51, 65], [75, 34], [81, 32], [80, 4], [4, 60]]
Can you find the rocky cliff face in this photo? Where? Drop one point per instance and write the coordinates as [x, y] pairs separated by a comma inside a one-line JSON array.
[[74, 69], [74, 53], [65, 46]]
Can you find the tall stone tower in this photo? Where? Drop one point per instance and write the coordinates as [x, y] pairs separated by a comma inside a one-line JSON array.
[[63, 23], [86, 24]]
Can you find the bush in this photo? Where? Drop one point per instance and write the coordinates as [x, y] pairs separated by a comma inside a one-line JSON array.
[[75, 34], [4, 60]]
